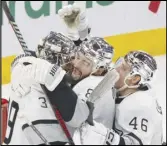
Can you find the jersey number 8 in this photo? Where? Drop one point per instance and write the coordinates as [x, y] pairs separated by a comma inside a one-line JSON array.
[[89, 91]]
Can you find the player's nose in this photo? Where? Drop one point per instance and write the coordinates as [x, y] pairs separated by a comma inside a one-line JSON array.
[[76, 64], [118, 69]]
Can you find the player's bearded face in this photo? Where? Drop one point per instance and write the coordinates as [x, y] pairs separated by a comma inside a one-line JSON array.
[[123, 68], [82, 67]]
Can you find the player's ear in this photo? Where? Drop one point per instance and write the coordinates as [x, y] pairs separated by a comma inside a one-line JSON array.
[[100, 72], [136, 79]]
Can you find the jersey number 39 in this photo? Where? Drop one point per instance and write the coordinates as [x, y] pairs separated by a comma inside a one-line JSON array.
[[13, 111], [14, 108]]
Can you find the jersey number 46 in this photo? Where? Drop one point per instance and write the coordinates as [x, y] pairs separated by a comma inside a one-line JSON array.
[[143, 124]]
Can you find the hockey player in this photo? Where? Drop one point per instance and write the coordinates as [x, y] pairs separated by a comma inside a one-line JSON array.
[[35, 107], [138, 119], [85, 86], [84, 80]]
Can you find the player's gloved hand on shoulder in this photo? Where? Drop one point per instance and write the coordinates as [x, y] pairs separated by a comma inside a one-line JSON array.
[[84, 135], [74, 16], [43, 72], [20, 83], [100, 134]]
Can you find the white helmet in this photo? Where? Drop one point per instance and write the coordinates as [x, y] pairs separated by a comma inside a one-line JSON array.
[[142, 64], [97, 50]]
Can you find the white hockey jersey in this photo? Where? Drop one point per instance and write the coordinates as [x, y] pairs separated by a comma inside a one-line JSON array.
[[35, 108], [104, 107], [138, 121]]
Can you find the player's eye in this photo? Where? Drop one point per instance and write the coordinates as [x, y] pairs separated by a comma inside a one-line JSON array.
[[124, 67], [86, 63], [78, 57]]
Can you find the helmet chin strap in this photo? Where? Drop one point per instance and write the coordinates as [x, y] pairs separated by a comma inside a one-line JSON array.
[[125, 86], [94, 68]]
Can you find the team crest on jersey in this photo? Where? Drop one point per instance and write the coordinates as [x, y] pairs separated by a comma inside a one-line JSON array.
[[114, 92], [159, 109]]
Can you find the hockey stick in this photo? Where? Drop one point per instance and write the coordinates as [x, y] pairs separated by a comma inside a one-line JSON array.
[[36, 131], [28, 52], [105, 85], [25, 48]]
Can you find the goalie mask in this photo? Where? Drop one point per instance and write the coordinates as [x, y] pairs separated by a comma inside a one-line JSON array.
[[56, 48], [141, 64]]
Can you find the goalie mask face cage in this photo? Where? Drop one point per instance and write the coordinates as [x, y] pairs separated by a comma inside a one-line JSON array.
[[56, 48]]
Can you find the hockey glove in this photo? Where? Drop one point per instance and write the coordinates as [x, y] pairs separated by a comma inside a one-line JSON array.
[[43, 72], [74, 16]]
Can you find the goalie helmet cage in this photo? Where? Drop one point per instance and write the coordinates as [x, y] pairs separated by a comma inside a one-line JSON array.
[[4, 111]]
